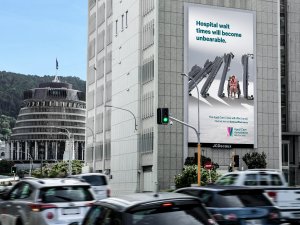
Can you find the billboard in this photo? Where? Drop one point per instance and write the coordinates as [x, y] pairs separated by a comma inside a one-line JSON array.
[[220, 61]]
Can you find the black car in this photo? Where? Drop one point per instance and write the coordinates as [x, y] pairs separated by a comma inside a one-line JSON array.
[[236, 205], [149, 209]]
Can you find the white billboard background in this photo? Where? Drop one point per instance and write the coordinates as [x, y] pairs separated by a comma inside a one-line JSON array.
[[220, 115]]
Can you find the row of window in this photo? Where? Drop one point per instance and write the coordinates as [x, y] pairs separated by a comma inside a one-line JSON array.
[[147, 6], [124, 22], [45, 137], [49, 130], [51, 123], [148, 35], [148, 70], [147, 140], [147, 110], [64, 117], [54, 103], [53, 109]]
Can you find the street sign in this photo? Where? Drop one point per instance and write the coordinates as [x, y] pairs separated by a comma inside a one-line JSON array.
[[208, 165]]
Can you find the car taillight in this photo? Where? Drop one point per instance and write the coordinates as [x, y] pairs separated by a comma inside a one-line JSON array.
[[231, 217], [50, 215], [89, 204], [108, 192], [273, 216], [37, 207], [272, 195]]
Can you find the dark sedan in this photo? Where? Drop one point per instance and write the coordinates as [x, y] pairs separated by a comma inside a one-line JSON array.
[[149, 209], [236, 205]]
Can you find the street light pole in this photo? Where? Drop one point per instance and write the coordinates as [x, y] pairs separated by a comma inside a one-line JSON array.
[[69, 137], [94, 150], [197, 132]]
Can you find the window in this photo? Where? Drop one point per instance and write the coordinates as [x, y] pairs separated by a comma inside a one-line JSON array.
[[126, 19], [228, 179], [250, 180], [122, 25], [116, 28], [66, 194]]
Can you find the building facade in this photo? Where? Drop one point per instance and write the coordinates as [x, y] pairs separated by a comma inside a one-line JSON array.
[[50, 125], [136, 55]]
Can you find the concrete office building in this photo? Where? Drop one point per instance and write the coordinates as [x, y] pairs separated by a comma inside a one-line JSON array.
[[50, 125], [136, 54]]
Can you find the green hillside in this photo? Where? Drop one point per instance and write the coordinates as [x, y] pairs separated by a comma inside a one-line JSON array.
[[13, 85]]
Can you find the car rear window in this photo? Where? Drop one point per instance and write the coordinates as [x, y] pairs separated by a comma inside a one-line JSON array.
[[239, 199], [171, 215], [95, 180], [228, 179], [65, 194]]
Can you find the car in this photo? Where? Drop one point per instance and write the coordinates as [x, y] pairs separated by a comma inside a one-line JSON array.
[[46, 202], [265, 178], [149, 209], [99, 183], [286, 198], [236, 205]]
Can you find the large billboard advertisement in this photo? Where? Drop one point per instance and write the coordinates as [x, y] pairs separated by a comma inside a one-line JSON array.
[[220, 61]]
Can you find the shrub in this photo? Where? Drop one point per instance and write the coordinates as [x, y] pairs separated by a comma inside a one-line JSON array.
[[255, 160], [189, 176]]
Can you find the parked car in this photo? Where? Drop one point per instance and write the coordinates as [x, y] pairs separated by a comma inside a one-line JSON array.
[[149, 209], [275, 185], [236, 205], [99, 183], [264, 178], [46, 202]]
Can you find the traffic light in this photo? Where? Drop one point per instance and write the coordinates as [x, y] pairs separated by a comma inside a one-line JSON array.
[[236, 160], [13, 169], [163, 116]]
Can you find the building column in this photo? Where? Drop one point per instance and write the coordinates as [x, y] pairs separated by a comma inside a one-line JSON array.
[[35, 150], [11, 153], [46, 150], [26, 150], [18, 150], [56, 150]]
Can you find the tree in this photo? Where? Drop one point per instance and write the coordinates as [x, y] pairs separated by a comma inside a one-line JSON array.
[[255, 160], [189, 176]]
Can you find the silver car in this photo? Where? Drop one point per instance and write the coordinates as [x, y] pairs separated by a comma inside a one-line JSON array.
[[99, 183], [46, 201]]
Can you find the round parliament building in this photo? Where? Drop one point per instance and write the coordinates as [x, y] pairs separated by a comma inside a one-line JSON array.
[[50, 125]]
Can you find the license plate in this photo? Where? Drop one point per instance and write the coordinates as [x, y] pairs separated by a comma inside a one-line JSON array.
[[253, 222], [70, 211]]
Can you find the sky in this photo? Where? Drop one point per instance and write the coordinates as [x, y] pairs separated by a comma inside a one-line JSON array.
[[34, 33]]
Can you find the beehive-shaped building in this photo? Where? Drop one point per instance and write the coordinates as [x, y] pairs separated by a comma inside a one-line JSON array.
[[50, 125]]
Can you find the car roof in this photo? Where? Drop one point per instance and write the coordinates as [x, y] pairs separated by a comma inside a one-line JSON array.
[[251, 171], [221, 188], [54, 182], [89, 174], [127, 201]]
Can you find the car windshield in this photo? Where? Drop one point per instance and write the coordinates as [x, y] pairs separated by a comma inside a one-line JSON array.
[[95, 180], [174, 215], [239, 199], [65, 194]]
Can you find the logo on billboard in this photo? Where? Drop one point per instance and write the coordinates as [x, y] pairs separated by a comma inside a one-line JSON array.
[[229, 131]]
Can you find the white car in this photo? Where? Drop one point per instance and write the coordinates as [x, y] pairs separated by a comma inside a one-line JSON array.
[[265, 178], [46, 202], [99, 183]]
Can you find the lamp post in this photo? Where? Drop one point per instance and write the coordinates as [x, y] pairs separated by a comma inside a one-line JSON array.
[[68, 134], [198, 131], [94, 150]]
